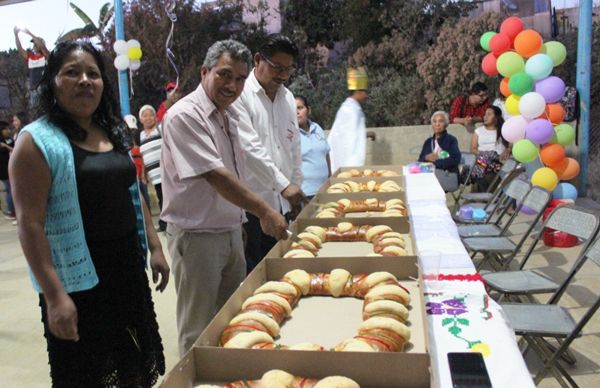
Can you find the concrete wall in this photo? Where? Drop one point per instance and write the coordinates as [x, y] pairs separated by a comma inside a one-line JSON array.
[[402, 145]]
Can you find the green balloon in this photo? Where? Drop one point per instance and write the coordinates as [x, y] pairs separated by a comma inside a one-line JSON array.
[[484, 41], [525, 151], [520, 83], [556, 51], [510, 63], [565, 134]]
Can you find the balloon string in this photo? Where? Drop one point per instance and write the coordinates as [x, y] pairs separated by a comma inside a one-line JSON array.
[[169, 7], [131, 82]]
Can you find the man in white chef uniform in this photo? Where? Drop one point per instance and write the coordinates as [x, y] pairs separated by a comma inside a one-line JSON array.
[[348, 135]]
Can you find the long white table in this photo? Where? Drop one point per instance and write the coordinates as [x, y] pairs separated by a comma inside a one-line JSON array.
[[461, 316]]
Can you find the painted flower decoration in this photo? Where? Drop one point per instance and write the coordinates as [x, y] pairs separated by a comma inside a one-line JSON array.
[[482, 348], [449, 306]]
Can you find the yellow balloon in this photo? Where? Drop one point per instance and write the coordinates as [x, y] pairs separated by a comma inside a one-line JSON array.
[[134, 53], [545, 177], [512, 104]]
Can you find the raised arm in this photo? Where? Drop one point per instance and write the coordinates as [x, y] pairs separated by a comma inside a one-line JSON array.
[[20, 49], [31, 180]]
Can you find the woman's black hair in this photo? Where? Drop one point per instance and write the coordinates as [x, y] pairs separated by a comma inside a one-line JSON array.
[[303, 99], [499, 123], [105, 115], [23, 118]]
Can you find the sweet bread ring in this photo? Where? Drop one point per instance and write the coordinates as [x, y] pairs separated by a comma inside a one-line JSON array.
[[354, 345], [317, 231], [336, 382], [248, 339], [388, 292], [269, 297], [385, 308], [393, 250], [377, 230], [300, 279], [298, 253]]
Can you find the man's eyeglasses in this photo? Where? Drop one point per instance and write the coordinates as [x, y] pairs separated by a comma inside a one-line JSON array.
[[278, 68], [483, 95]]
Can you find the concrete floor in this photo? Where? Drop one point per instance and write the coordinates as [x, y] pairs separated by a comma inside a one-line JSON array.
[[23, 358]]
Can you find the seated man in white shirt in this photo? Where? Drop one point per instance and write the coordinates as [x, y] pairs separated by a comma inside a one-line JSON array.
[[269, 135]]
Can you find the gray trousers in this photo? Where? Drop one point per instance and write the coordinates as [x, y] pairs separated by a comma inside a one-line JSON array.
[[208, 268]]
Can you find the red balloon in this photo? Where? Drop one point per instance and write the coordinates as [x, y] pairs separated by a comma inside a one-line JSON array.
[[488, 65], [499, 44], [552, 155], [511, 27]]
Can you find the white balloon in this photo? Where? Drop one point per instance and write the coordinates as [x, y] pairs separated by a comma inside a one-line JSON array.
[[121, 62], [135, 64], [120, 47], [132, 43], [531, 105]]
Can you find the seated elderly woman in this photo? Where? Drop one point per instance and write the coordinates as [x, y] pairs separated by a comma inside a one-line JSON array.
[[441, 149]]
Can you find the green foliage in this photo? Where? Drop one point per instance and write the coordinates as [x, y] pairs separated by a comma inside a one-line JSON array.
[[195, 31], [89, 30], [393, 99], [13, 71], [324, 94], [453, 62]]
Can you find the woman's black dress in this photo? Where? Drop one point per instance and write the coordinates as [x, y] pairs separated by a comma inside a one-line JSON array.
[[119, 341]]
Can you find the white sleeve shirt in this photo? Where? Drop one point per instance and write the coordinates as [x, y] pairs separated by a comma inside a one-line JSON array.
[[270, 138], [348, 136]]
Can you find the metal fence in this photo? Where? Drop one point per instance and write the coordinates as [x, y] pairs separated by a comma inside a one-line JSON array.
[[593, 173]]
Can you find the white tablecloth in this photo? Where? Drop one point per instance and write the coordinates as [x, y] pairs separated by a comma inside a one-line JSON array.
[[460, 314]]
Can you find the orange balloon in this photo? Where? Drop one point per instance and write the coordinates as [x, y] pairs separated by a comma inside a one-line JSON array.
[[528, 43], [568, 169], [504, 87], [552, 154], [553, 112]]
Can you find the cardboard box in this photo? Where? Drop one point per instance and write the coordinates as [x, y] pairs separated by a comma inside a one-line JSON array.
[[207, 363], [380, 179], [347, 249], [310, 210], [391, 167]]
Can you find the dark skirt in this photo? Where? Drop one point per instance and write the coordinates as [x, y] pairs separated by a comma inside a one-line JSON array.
[[119, 342]]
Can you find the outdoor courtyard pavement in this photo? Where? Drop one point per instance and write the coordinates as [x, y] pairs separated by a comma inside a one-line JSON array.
[[23, 357]]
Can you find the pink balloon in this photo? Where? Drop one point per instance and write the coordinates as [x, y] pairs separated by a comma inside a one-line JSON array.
[[514, 128]]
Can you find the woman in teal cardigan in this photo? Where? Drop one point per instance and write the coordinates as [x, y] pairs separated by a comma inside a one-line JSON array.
[[81, 226]]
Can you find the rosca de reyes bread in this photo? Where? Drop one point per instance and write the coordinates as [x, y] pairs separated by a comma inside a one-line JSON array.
[[385, 310]]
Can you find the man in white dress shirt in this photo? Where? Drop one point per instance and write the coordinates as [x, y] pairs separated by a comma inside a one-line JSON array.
[[348, 135], [269, 135]]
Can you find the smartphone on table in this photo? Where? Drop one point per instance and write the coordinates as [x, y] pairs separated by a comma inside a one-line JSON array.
[[468, 370]]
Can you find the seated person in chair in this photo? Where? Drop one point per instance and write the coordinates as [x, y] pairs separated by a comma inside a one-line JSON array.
[[441, 149]]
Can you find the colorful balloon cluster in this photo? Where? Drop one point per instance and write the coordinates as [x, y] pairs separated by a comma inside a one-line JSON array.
[[128, 54], [532, 95]]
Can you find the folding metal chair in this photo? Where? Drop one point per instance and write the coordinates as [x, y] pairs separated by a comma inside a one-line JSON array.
[[491, 205], [525, 283], [537, 323], [502, 249], [467, 161], [508, 166], [515, 191]]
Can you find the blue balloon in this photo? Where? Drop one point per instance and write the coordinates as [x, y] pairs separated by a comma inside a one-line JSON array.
[[539, 66], [565, 191]]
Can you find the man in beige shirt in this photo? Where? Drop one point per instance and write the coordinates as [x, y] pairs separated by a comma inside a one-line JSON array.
[[202, 163]]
